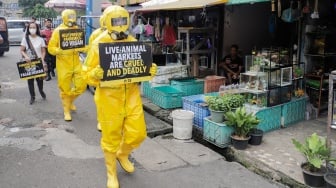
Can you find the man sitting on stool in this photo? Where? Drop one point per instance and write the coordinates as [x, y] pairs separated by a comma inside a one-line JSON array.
[[231, 65]]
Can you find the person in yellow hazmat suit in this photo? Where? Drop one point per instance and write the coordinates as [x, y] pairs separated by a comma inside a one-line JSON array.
[[70, 81], [120, 106]]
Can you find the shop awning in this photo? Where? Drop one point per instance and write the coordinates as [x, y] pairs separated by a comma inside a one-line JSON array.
[[236, 2], [179, 4]]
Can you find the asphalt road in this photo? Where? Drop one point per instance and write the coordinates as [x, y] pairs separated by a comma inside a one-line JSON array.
[[39, 149]]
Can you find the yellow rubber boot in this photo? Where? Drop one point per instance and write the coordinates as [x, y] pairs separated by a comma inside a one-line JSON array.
[[66, 108], [111, 167], [72, 106], [122, 157], [99, 127]]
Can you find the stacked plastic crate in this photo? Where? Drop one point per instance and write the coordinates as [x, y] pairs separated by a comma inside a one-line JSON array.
[[161, 93], [196, 104]]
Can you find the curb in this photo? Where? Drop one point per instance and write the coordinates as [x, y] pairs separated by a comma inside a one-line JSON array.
[[262, 169]]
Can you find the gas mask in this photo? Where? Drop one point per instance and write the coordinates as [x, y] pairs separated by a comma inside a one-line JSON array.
[[116, 21], [69, 17], [118, 35], [71, 24]]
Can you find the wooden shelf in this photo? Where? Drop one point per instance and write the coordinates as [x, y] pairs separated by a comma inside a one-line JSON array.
[[321, 55], [316, 76], [317, 89], [254, 91], [192, 54]]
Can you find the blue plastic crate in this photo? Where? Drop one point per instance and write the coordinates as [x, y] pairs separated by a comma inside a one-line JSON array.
[[218, 134], [146, 89], [196, 104], [167, 97], [294, 111], [189, 86], [270, 118]]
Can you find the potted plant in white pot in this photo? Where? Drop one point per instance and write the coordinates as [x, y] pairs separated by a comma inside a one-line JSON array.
[[316, 153], [218, 105], [242, 123], [217, 108]]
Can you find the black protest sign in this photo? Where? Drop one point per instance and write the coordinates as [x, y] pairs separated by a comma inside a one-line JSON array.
[[34, 69], [72, 38], [125, 62]]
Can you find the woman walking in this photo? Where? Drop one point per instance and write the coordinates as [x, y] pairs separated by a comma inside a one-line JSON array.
[[32, 47]]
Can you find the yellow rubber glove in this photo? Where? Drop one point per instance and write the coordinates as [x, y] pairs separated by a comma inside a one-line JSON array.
[[153, 70], [97, 73], [84, 49], [87, 78]]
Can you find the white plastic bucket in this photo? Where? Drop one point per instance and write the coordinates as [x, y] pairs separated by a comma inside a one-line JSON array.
[[182, 124]]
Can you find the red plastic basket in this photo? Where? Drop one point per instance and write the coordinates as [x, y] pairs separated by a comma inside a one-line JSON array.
[[212, 83]]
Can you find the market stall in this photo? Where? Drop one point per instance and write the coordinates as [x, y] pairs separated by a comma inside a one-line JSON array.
[[181, 32]]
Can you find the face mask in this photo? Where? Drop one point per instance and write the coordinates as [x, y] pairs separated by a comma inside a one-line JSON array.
[[32, 31]]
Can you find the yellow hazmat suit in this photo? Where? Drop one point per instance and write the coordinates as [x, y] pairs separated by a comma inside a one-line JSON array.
[[68, 66], [97, 31], [121, 114], [102, 27]]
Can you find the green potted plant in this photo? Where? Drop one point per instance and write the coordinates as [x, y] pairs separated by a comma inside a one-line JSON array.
[[217, 108], [298, 72], [233, 101], [242, 123], [218, 105], [316, 153]]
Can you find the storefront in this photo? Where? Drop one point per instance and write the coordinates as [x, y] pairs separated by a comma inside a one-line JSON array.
[[300, 48], [182, 32]]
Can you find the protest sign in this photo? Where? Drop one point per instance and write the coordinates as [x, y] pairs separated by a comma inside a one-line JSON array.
[[34, 69], [72, 38], [125, 62]]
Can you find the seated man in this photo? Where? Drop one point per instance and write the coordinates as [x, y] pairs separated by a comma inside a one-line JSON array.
[[231, 65]]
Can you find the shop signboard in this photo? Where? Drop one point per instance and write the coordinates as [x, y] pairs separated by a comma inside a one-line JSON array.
[[125, 62]]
